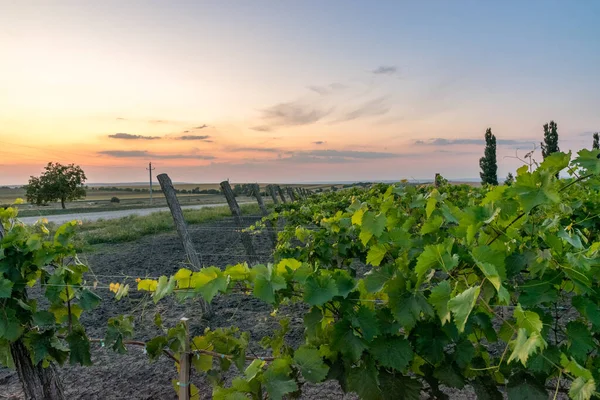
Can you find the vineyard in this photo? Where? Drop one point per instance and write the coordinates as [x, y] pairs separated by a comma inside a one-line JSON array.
[[393, 291]]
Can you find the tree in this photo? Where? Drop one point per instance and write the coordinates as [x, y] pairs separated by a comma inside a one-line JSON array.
[[487, 163], [57, 182], [596, 144], [550, 143], [510, 179]]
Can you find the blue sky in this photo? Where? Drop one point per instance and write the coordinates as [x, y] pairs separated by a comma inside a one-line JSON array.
[[291, 91]]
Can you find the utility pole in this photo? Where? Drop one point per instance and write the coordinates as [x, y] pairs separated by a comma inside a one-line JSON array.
[[150, 173]]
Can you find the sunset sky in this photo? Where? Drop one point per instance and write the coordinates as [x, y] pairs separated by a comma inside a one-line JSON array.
[[291, 91]]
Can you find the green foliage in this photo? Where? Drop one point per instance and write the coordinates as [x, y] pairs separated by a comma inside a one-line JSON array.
[[488, 163], [31, 256], [412, 288], [57, 182], [550, 143]]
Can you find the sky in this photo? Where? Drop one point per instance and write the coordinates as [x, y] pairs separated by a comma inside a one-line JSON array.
[[291, 91]]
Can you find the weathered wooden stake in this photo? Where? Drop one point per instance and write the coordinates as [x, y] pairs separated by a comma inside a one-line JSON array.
[[237, 217], [167, 188], [291, 193], [271, 189], [281, 194], [265, 212], [185, 365]]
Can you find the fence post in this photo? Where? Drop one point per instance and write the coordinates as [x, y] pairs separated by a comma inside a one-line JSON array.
[[271, 189], [185, 365], [237, 217], [281, 194], [265, 212], [167, 188], [291, 193]]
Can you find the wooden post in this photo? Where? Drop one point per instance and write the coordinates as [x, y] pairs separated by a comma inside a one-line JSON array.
[[167, 188], [237, 217], [271, 190], [281, 194], [185, 365], [291, 193], [259, 200], [265, 212]]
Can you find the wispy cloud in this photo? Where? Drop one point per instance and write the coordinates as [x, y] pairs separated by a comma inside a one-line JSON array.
[[371, 108], [262, 128], [147, 154], [349, 154], [200, 127], [319, 142], [129, 136], [327, 89], [255, 149], [293, 113], [204, 138], [466, 141], [121, 119], [385, 70]]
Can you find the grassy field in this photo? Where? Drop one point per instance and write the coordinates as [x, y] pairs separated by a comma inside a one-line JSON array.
[[134, 227], [99, 200]]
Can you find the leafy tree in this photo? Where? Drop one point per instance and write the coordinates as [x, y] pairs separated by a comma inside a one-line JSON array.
[[488, 164], [57, 182], [550, 143], [510, 179], [596, 144]]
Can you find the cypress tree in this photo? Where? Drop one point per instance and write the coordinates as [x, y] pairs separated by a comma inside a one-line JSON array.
[[550, 143], [487, 163], [596, 144]]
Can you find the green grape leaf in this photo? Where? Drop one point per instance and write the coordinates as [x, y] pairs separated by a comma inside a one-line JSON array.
[[436, 256], [88, 299], [346, 342], [392, 352], [319, 289], [366, 320], [363, 380], [462, 304], [10, 328], [392, 385], [430, 207], [79, 346], [555, 162], [588, 309], [581, 341], [407, 307], [277, 379], [439, 297], [375, 254], [267, 283], [208, 282], [432, 224], [486, 389], [528, 320], [165, 287], [582, 389], [43, 319], [371, 225], [525, 387], [5, 288], [588, 160], [155, 346], [447, 375], [253, 369], [311, 364], [524, 346]]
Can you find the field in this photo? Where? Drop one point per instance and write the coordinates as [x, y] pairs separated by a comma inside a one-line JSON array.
[[98, 198], [391, 291]]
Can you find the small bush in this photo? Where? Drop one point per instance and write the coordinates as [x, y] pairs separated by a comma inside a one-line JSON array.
[[115, 200]]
